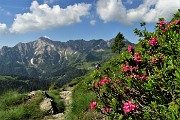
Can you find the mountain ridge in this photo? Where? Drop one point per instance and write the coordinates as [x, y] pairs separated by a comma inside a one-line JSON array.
[[44, 55]]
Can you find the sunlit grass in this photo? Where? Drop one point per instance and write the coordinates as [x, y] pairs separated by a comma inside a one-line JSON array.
[[81, 98], [13, 106]]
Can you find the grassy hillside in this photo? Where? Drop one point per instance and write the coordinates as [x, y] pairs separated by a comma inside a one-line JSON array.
[[81, 97], [83, 94], [140, 83], [18, 106], [13, 106]]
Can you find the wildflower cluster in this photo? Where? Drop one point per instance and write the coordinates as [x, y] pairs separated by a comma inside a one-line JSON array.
[[128, 107], [142, 82]]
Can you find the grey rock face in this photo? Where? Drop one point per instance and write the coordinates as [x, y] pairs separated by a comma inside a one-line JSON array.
[[43, 55]]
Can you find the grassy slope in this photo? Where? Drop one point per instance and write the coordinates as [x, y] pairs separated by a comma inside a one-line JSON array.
[[82, 96], [15, 106]]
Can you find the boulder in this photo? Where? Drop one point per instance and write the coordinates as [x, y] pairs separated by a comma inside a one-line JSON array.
[[46, 106]]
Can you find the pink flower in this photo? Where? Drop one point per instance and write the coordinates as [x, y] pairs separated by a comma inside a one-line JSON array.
[[144, 77], [131, 68], [137, 58], [153, 60], [132, 75], [126, 68], [161, 24], [136, 67], [176, 22], [168, 25], [106, 110], [104, 80], [130, 48], [96, 84], [138, 76], [153, 41], [128, 107], [93, 105]]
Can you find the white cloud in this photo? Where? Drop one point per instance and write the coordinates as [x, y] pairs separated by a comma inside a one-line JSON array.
[[148, 11], [43, 17], [111, 10], [93, 22], [3, 28], [163, 8]]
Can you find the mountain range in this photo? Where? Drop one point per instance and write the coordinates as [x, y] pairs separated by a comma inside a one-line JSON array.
[[45, 57]]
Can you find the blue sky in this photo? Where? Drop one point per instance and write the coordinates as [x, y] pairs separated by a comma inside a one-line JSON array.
[[62, 20]]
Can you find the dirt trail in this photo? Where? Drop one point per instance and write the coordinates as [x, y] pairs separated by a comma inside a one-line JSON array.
[[67, 97]]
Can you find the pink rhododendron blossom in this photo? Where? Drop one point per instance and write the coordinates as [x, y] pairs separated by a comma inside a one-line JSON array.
[[153, 60], [153, 41], [131, 68], [138, 76], [164, 26], [137, 58], [104, 80], [133, 75], [129, 106], [93, 105], [130, 48], [161, 23], [176, 22], [168, 25], [136, 67], [96, 84], [144, 77], [126, 68], [106, 110]]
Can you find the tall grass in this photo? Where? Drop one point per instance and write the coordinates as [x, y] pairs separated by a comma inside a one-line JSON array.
[[81, 98], [11, 98], [13, 106]]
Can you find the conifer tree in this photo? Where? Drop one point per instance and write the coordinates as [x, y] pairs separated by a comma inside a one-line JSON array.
[[118, 43]]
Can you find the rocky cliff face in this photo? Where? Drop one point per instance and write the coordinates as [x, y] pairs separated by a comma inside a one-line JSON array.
[[43, 54]]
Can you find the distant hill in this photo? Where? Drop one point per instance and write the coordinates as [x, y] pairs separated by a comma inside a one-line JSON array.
[[47, 58]]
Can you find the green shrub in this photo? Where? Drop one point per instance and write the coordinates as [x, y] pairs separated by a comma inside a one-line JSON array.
[[143, 82]]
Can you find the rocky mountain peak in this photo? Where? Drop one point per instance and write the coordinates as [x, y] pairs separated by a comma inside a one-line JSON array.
[[44, 55], [44, 39]]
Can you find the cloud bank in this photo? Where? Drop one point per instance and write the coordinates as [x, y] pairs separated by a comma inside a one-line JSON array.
[[148, 11], [3, 28], [42, 17]]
